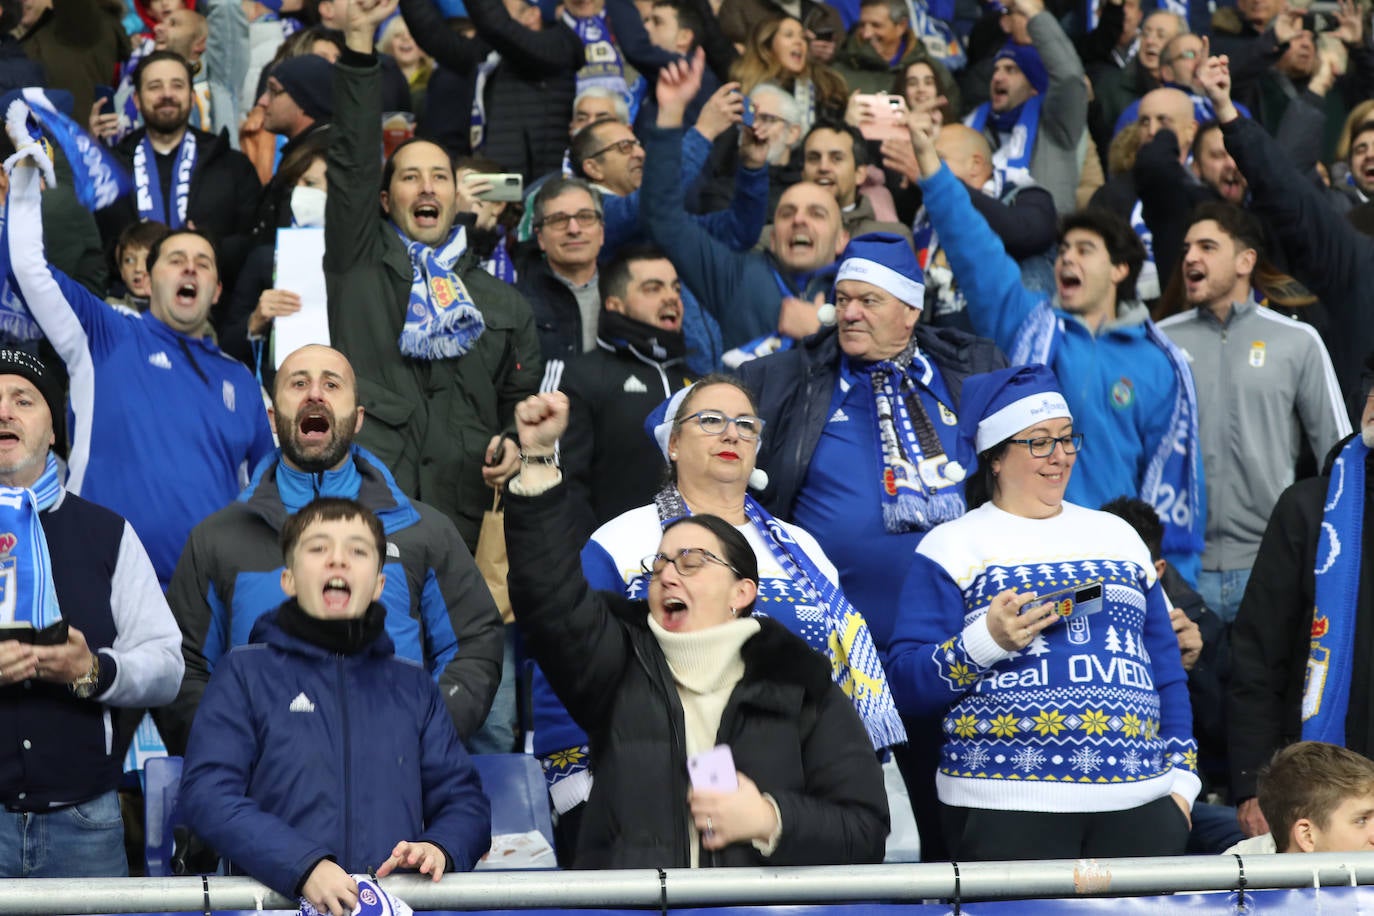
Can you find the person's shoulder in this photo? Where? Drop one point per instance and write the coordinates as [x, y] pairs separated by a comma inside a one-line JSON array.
[[74, 507], [634, 529], [960, 535]]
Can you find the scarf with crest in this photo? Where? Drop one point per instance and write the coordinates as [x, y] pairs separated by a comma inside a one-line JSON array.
[[441, 319]]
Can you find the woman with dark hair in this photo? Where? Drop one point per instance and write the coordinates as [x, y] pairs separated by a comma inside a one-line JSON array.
[[777, 52], [1039, 630], [656, 683]]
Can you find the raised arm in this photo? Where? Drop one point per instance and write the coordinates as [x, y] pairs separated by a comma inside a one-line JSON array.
[[555, 49], [454, 51], [1064, 113], [633, 40]]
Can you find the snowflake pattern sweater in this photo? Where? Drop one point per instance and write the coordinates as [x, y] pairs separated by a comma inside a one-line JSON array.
[[1093, 715]]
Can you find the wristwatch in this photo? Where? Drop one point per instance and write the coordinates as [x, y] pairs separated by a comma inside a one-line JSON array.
[[85, 685]]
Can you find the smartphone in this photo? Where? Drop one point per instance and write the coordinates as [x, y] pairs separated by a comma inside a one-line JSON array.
[[499, 455], [1074, 601], [54, 634], [713, 770], [1316, 23], [748, 116], [505, 186], [107, 93], [889, 116]]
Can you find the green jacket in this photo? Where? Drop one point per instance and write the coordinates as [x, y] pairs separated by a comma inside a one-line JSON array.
[[428, 420], [865, 70]]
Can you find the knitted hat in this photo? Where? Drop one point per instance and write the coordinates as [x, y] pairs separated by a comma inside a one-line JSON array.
[[888, 262], [309, 80], [997, 405], [659, 425], [30, 367], [1028, 59]]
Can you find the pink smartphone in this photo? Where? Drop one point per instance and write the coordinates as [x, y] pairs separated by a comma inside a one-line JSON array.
[[713, 770]]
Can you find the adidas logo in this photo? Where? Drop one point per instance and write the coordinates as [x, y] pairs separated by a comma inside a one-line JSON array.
[[839, 416], [301, 703], [634, 386], [160, 360], [392, 551]]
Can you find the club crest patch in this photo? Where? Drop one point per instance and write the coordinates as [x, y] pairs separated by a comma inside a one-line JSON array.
[[1257, 354], [1123, 393]]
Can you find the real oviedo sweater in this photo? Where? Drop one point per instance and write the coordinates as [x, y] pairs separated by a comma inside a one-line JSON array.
[[1093, 715]]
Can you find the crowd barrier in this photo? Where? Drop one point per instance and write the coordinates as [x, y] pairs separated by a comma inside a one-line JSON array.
[[1332, 882]]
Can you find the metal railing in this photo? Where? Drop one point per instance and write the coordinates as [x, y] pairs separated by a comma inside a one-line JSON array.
[[710, 887]]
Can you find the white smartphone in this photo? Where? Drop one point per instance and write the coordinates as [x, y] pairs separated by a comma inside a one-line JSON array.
[[505, 186]]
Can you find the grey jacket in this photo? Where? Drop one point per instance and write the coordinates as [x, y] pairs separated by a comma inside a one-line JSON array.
[[1063, 116], [1263, 381]]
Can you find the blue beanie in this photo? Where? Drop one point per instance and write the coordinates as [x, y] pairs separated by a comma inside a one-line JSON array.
[[888, 262], [1028, 59], [997, 405], [309, 80]]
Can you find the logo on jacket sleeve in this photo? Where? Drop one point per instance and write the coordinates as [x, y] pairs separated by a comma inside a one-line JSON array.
[[301, 703], [229, 398]]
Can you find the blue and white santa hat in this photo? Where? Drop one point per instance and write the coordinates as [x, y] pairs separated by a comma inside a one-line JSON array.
[[888, 262], [997, 405], [1028, 59]]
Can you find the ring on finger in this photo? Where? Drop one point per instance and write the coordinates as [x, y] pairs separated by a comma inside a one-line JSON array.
[[709, 827]]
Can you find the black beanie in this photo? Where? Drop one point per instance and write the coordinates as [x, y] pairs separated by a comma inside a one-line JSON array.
[[309, 80], [28, 366]]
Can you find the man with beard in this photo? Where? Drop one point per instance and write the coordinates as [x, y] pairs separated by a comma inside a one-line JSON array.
[[183, 176], [439, 612], [166, 427], [1263, 382]]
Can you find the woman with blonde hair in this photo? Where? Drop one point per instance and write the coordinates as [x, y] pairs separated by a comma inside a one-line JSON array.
[[777, 52]]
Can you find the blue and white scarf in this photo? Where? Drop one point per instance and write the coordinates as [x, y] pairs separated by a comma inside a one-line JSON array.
[[1326, 689], [937, 37], [500, 265], [16, 323], [26, 590], [441, 319], [855, 664], [1147, 283], [148, 186], [918, 491], [98, 177], [1012, 157], [477, 124], [605, 66], [1173, 478]]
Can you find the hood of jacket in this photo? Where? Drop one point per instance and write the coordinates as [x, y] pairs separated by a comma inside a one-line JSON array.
[[378, 491]]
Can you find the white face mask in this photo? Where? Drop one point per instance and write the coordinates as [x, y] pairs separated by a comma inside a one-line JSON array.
[[307, 206]]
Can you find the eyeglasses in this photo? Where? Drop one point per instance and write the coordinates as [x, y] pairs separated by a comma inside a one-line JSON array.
[[1043, 446], [768, 120], [688, 562], [623, 147], [713, 423], [1183, 55], [560, 220]]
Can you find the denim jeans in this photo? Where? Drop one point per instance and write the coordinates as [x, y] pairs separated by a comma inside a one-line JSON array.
[[80, 841], [1222, 589], [497, 734]]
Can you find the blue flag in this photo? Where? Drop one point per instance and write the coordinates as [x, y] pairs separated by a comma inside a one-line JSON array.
[[98, 176]]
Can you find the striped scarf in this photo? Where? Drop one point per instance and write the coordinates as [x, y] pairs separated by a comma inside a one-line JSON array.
[[26, 589], [854, 661]]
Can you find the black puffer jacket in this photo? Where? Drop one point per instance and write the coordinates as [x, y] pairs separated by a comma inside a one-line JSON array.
[[789, 727]]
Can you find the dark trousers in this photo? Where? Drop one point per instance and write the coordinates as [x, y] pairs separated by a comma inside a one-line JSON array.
[[917, 760], [1158, 828]]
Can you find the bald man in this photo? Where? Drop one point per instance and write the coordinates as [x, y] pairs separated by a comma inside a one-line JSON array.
[[439, 611], [1023, 216], [1168, 109]]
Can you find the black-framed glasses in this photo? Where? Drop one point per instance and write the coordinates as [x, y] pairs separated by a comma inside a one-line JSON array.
[[688, 562], [1043, 446], [560, 220], [623, 147], [713, 423]]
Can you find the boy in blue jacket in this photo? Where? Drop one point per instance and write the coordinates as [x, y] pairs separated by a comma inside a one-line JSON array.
[[316, 753]]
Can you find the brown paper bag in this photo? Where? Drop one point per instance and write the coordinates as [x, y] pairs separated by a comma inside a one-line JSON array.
[[491, 556]]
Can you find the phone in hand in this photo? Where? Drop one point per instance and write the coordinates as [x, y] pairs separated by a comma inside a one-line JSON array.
[[713, 770], [748, 115], [54, 634], [888, 116], [505, 186], [1074, 601]]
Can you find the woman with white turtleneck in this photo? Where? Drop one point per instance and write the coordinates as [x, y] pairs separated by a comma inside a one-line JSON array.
[[654, 683]]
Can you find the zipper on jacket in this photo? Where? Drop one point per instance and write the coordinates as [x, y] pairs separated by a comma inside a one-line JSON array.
[[347, 775]]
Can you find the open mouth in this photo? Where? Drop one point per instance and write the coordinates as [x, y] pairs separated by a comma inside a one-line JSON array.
[[669, 318], [674, 612], [426, 215], [801, 241], [8, 436], [336, 594], [314, 426], [1194, 275], [1068, 283], [186, 294]]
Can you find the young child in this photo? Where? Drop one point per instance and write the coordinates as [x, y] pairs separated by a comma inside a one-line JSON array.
[[317, 753], [131, 264], [1317, 797]]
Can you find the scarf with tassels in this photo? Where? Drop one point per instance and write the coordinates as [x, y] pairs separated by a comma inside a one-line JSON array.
[[1326, 688], [26, 589], [919, 482], [441, 319], [854, 661]]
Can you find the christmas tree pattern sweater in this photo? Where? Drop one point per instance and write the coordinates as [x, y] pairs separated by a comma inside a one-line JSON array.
[[1091, 716]]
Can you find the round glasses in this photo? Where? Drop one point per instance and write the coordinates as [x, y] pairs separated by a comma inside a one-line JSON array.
[[688, 562]]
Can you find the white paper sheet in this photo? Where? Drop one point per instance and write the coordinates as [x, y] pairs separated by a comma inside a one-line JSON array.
[[300, 269]]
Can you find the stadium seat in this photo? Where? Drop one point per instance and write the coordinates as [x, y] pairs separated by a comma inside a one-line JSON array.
[[519, 799], [162, 787]]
